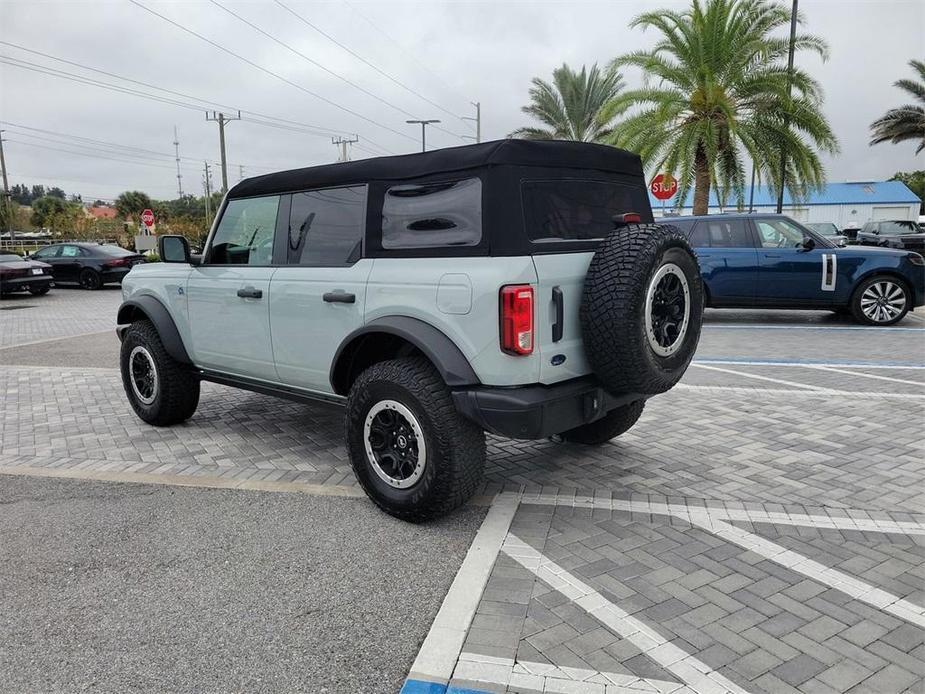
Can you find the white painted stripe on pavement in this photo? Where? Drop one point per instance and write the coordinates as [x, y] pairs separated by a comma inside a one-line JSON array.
[[764, 378], [857, 589], [675, 660], [840, 365], [839, 519], [756, 390], [544, 677], [768, 326], [444, 641], [864, 375]]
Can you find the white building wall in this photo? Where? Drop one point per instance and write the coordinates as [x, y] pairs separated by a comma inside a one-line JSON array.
[[841, 215]]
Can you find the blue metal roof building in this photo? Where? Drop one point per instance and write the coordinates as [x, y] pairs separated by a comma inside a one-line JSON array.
[[842, 203]]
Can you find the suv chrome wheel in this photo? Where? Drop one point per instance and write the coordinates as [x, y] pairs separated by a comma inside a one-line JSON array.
[[143, 375], [668, 310], [883, 301], [395, 445]]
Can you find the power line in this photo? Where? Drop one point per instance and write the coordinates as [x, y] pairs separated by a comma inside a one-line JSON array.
[[130, 148], [259, 118], [310, 60], [90, 155], [404, 50], [362, 59], [269, 72]]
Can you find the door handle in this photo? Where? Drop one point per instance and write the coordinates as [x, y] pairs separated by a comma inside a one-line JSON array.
[[772, 255], [250, 293], [339, 297], [559, 325]]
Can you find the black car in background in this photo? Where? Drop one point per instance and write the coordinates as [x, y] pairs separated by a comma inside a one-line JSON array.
[[894, 233], [91, 265], [18, 274], [830, 231]]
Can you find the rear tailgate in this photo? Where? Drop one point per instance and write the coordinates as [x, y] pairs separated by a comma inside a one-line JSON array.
[[561, 281]]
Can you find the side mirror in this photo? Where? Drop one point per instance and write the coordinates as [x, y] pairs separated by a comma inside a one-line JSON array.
[[808, 244], [173, 249], [842, 243]]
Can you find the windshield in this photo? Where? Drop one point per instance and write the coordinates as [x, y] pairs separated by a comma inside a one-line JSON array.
[[824, 228], [8, 258], [899, 228]]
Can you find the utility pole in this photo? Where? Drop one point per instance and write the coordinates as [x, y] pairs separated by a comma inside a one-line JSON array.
[[207, 184], [7, 200], [176, 149], [342, 142], [424, 124], [783, 145], [222, 120], [477, 119]]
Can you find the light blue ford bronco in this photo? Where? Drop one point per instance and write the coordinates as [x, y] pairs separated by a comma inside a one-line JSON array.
[[513, 287]]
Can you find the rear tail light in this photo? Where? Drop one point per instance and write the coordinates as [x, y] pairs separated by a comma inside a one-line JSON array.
[[517, 319], [116, 263], [10, 273]]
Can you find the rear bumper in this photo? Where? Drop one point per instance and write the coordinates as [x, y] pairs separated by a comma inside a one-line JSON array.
[[538, 411], [114, 275], [21, 284]]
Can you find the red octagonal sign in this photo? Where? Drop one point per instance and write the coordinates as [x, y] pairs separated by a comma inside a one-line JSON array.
[[664, 186], [147, 218]]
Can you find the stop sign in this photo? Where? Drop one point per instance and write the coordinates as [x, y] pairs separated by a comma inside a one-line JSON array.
[[664, 186], [147, 218]]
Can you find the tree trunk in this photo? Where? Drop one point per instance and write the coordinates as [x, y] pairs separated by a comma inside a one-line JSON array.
[[701, 182]]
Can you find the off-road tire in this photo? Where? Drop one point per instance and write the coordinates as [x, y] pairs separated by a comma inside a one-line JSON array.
[[613, 309], [90, 279], [455, 446], [39, 291], [177, 394], [608, 427], [858, 313]]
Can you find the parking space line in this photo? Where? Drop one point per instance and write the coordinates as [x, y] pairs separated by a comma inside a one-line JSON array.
[[863, 375], [58, 339], [857, 394], [675, 660], [762, 326], [811, 362], [544, 677], [441, 648], [758, 377], [857, 589]]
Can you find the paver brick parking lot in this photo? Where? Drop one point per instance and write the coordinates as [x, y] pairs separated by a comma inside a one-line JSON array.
[[760, 529]]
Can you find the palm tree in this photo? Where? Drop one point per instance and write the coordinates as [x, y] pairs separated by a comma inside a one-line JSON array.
[[716, 87], [576, 106], [906, 122]]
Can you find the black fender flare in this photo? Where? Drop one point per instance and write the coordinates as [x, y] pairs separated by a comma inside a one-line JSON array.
[[149, 308], [435, 345]]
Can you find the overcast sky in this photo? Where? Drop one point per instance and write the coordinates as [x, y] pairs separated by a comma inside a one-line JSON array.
[[450, 53]]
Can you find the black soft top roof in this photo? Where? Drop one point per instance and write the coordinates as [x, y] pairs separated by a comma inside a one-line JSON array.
[[545, 153]]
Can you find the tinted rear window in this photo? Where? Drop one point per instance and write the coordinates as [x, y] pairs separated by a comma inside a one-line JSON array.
[[115, 250], [430, 215], [577, 210]]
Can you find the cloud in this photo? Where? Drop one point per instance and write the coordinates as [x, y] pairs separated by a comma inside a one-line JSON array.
[[451, 52]]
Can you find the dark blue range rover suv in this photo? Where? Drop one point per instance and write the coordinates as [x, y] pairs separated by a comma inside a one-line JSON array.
[[764, 260]]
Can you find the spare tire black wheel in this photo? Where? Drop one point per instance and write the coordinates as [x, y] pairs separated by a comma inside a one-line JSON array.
[[642, 308]]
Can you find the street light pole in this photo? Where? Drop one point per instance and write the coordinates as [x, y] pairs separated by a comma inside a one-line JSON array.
[[424, 124], [477, 119], [7, 200], [783, 145]]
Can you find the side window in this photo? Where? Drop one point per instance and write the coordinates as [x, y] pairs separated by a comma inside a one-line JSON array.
[[70, 252], [245, 232], [47, 252], [428, 215], [326, 227], [723, 233], [700, 238], [777, 233]]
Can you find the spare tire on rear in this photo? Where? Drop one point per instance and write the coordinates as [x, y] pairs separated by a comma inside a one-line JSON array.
[[642, 308]]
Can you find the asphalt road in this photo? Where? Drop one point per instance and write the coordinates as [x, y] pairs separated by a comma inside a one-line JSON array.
[[119, 587]]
